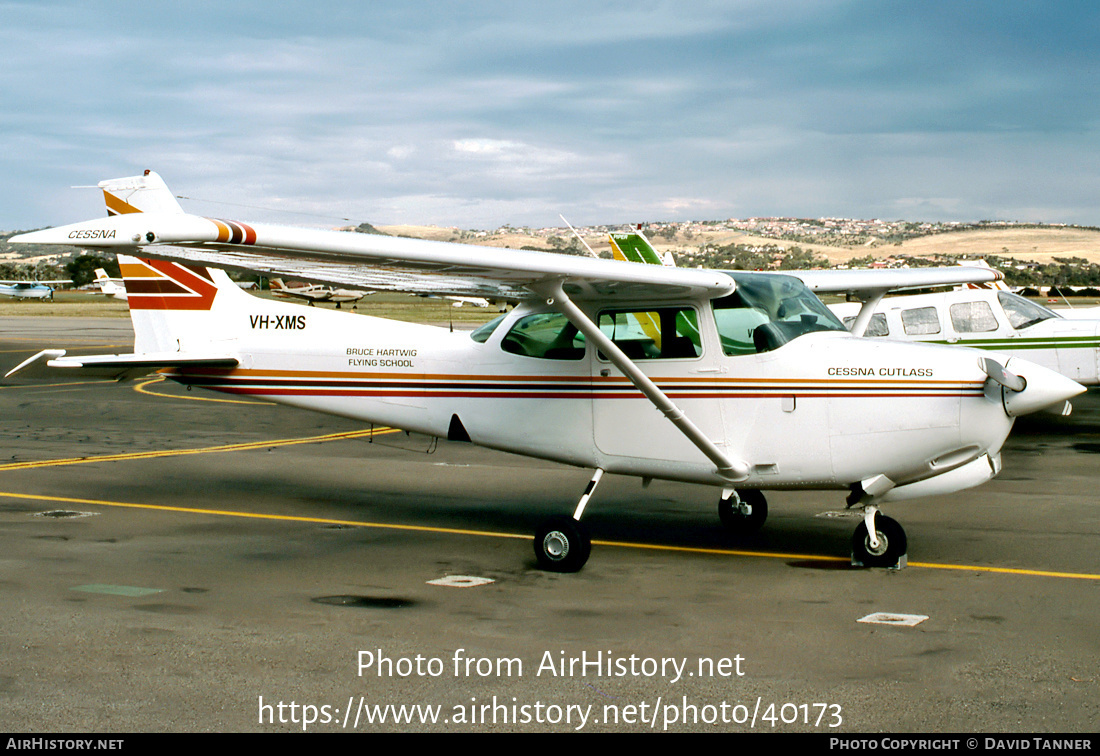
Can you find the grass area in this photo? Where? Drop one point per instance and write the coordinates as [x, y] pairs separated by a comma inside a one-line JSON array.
[[72, 303], [393, 306]]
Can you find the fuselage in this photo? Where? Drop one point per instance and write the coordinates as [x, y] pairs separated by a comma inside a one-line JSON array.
[[823, 410]]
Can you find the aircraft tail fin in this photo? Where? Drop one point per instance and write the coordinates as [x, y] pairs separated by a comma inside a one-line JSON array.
[[178, 308], [138, 194], [635, 247], [999, 285]]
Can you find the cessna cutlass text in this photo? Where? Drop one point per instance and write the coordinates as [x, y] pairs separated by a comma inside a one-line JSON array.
[[882, 372]]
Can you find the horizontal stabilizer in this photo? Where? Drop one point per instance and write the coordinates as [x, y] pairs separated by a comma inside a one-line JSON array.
[[52, 364]]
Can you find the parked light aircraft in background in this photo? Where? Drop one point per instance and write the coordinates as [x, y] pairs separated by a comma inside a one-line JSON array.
[[989, 319], [315, 293], [30, 289], [741, 381], [111, 287]]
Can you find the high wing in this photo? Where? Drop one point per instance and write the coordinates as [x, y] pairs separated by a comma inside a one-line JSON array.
[[862, 282], [366, 261], [144, 218]]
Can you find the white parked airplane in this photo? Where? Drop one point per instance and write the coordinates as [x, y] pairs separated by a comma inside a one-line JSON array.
[[315, 293], [742, 381], [990, 319], [111, 287]]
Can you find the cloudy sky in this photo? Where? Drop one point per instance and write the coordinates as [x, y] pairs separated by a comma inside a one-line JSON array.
[[479, 114]]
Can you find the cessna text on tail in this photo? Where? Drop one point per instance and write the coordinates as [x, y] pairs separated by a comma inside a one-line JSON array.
[[742, 381]]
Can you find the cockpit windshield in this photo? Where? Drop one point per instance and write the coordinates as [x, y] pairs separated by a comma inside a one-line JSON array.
[[766, 311], [1023, 313]]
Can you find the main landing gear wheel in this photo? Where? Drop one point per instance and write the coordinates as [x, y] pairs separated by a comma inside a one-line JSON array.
[[746, 517], [892, 546], [562, 544]]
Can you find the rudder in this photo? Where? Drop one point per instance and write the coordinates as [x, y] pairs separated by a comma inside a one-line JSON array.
[[138, 194]]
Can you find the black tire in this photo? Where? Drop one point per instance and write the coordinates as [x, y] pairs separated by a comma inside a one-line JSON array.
[[739, 523], [893, 544], [562, 544]]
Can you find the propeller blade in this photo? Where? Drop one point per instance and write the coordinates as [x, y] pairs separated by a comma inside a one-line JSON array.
[[997, 372]]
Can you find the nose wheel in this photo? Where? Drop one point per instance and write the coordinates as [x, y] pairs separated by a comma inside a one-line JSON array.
[[562, 544], [889, 548]]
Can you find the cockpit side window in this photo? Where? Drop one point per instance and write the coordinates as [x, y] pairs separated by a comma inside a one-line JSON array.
[[546, 335]]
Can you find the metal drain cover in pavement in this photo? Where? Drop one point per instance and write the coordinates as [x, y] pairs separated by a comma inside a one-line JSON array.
[[64, 513]]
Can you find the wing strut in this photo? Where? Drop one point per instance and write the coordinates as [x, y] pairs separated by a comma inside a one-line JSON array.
[[557, 298], [870, 300]]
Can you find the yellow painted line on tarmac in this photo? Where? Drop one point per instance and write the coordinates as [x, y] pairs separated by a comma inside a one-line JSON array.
[[48, 385], [1005, 570], [493, 534], [141, 389], [260, 515], [825, 558], [204, 450]]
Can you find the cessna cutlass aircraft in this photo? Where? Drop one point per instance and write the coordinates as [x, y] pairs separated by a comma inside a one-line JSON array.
[[742, 381]]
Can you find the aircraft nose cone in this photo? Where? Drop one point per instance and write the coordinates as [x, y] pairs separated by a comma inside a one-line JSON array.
[[1044, 388]]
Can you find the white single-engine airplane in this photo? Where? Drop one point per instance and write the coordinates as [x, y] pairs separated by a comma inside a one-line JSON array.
[[742, 381]]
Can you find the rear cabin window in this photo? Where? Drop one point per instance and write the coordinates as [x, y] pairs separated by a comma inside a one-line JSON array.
[[920, 321], [547, 335], [482, 334], [667, 333], [972, 317]]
